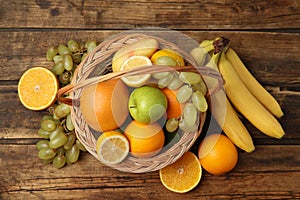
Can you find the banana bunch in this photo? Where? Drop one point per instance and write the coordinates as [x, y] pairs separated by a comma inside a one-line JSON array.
[[242, 94]]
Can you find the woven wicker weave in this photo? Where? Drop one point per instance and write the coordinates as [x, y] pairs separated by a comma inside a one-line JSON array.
[[95, 69]]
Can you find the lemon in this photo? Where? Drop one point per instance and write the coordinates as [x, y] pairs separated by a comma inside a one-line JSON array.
[[134, 62], [112, 147]]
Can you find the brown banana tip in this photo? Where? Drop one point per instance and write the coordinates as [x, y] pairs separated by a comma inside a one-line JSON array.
[[220, 44]]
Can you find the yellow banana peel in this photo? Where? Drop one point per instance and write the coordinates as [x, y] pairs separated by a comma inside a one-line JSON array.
[[260, 93]]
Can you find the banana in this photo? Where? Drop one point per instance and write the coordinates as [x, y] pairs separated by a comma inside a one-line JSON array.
[[246, 103], [260, 93], [226, 116]]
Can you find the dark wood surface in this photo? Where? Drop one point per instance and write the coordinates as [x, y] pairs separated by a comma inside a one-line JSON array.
[[266, 34]]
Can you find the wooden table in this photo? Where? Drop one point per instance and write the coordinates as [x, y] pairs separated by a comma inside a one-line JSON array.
[[266, 35]]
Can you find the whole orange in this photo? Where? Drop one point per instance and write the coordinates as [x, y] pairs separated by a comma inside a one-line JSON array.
[[104, 105], [174, 108], [145, 140], [217, 154]]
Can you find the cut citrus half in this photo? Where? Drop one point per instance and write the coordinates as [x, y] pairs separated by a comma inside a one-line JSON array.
[[112, 147], [37, 88], [134, 62], [183, 175]]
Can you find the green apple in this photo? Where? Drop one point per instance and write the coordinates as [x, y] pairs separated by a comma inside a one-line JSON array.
[[147, 104]]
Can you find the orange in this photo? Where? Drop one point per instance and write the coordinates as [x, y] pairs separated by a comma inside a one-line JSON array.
[[146, 140], [168, 52], [37, 88], [174, 108], [183, 175], [104, 105], [217, 154], [112, 147]]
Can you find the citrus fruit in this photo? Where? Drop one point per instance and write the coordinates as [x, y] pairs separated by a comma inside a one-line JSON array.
[[170, 53], [104, 105], [183, 175], [112, 147], [134, 62], [174, 108], [217, 154], [145, 140], [37, 88]]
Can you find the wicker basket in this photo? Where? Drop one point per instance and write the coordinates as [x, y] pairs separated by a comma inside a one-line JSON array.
[[95, 68]]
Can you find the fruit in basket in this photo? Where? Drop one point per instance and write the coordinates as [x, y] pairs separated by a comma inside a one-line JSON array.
[[147, 104], [112, 147], [174, 108], [183, 175], [104, 106], [142, 47], [168, 53], [145, 140], [217, 154], [37, 88], [134, 62]]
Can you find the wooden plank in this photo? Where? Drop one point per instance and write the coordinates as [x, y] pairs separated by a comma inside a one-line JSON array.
[[271, 66], [119, 14], [257, 174]]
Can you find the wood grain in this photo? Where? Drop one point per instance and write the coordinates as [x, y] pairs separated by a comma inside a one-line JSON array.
[[119, 14], [266, 35]]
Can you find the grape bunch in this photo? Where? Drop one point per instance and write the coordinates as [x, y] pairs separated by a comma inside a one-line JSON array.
[[191, 91], [67, 57], [59, 144]]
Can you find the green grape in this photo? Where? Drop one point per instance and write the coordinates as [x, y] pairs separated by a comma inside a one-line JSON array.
[[46, 153], [51, 52], [47, 161], [90, 45], [58, 140], [160, 75], [183, 126], [175, 84], [64, 78], [68, 62], [200, 87], [83, 56], [57, 131], [58, 58], [165, 60], [62, 110], [63, 50], [59, 161], [172, 125], [47, 117], [73, 46], [164, 82], [48, 125], [184, 94], [70, 141], [42, 144], [190, 77], [199, 101], [43, 134], [60, 151], [76, 58], [58, 68], [69, 123], [72, 154], [190, 114], [80, 146]]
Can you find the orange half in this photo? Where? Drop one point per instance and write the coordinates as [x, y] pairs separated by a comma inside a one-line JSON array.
[[37, 88], [183, 175]]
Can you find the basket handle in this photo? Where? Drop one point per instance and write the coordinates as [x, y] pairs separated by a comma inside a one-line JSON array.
[[204, 71]]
